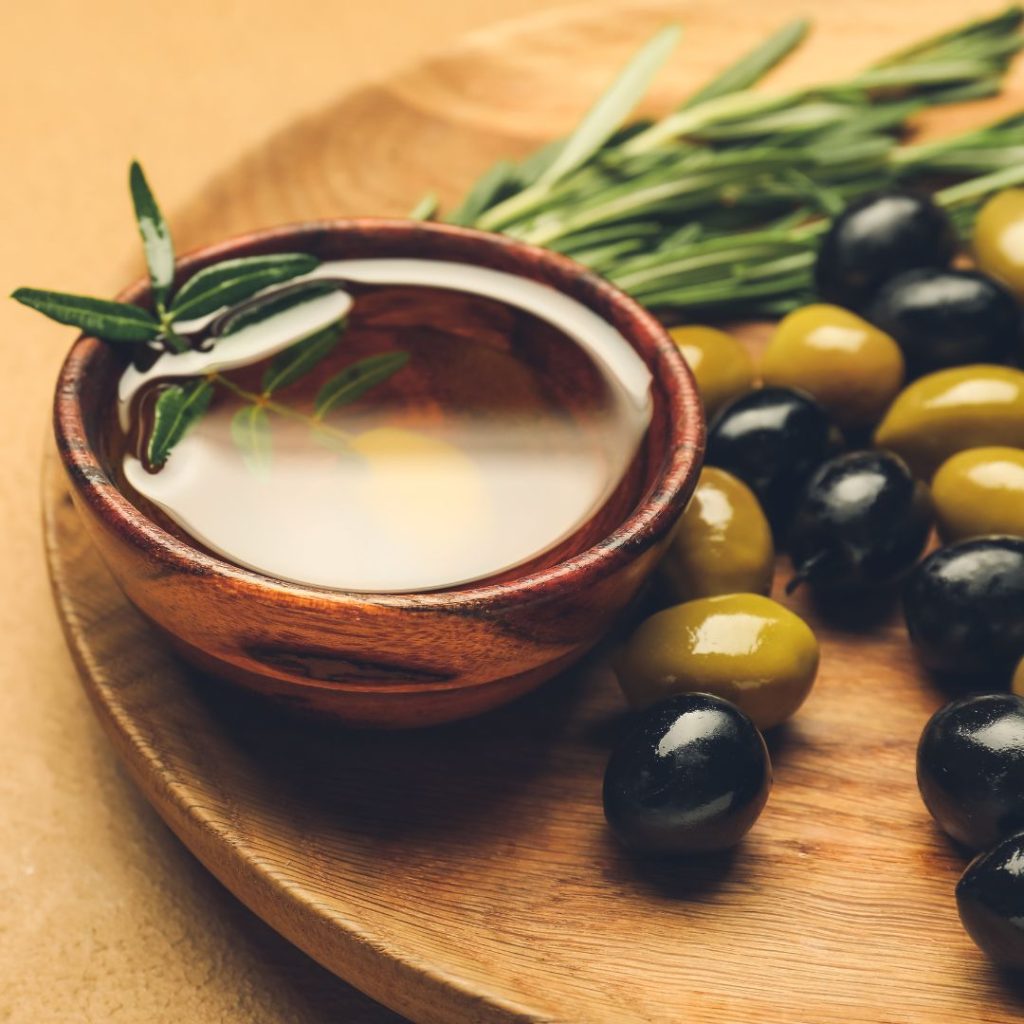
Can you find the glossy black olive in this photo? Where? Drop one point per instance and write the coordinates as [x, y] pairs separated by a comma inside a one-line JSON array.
[[773, 440], [964, 606], [877, 237], [944, 318], [970, 768], [862, 522], [990, 898], [692, 776]]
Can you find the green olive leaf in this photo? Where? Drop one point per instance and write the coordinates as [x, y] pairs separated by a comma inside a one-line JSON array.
[[250, 430], [234, 280], [354, 381], [178, 407], [111, 321], [296, 361], [156, 236], [263, 307]]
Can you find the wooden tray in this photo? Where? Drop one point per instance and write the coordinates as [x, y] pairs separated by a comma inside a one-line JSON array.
[[465, 874]]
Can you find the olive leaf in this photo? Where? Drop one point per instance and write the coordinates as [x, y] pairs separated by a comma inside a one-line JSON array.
[[263, 307], [156, 236], [250, 430], [111, 321], [355, 380], [297, 360], [234, 280], [177, 408]]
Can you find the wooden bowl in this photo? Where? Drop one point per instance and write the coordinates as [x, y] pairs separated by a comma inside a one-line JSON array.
[[381, 659]]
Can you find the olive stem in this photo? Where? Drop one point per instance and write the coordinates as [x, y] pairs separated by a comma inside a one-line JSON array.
[[266, 402]]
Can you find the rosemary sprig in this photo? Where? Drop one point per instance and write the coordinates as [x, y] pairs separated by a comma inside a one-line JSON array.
[[596, 128], [752, 177]]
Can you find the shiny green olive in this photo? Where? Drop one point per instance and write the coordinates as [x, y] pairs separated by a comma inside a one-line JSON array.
[[851, 367], [999, 239], [951, 410], [723, 543], [721, 365], [743, 647], [980, 491]]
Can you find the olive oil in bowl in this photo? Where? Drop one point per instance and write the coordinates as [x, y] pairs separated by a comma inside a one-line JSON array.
[[395, 426]]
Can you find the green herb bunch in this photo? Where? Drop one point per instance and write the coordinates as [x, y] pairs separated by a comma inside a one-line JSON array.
[[248, 290], [721, 202]]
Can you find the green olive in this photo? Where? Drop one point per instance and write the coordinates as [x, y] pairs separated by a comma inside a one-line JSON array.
[[851, 367], [979, 492], [721, 365], [743, 647], [999, 239], [951, 410], [723, 543]]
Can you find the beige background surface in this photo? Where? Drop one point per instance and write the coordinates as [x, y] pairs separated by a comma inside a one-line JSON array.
[[104, 916]]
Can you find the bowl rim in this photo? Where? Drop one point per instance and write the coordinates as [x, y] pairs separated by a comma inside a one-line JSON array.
[[654, 514]]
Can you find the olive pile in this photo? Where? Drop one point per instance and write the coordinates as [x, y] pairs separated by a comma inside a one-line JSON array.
[[891, 407]]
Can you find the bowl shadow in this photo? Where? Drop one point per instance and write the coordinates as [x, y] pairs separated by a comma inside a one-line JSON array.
[[457, 780]]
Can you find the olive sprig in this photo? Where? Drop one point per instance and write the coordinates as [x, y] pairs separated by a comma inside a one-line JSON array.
[[248, 290], [212, 288], [720, 200]]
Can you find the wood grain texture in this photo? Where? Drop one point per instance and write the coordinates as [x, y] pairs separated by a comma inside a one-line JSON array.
[[464, 873]]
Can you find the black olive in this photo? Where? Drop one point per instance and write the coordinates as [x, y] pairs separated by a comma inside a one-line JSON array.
[[862, 522], [877, 237], [990, 898], [773, 440], [964, 606], [970, 768], [944, 318], [692, 776]]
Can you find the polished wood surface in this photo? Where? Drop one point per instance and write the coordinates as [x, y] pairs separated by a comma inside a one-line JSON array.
[[465, 874]]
